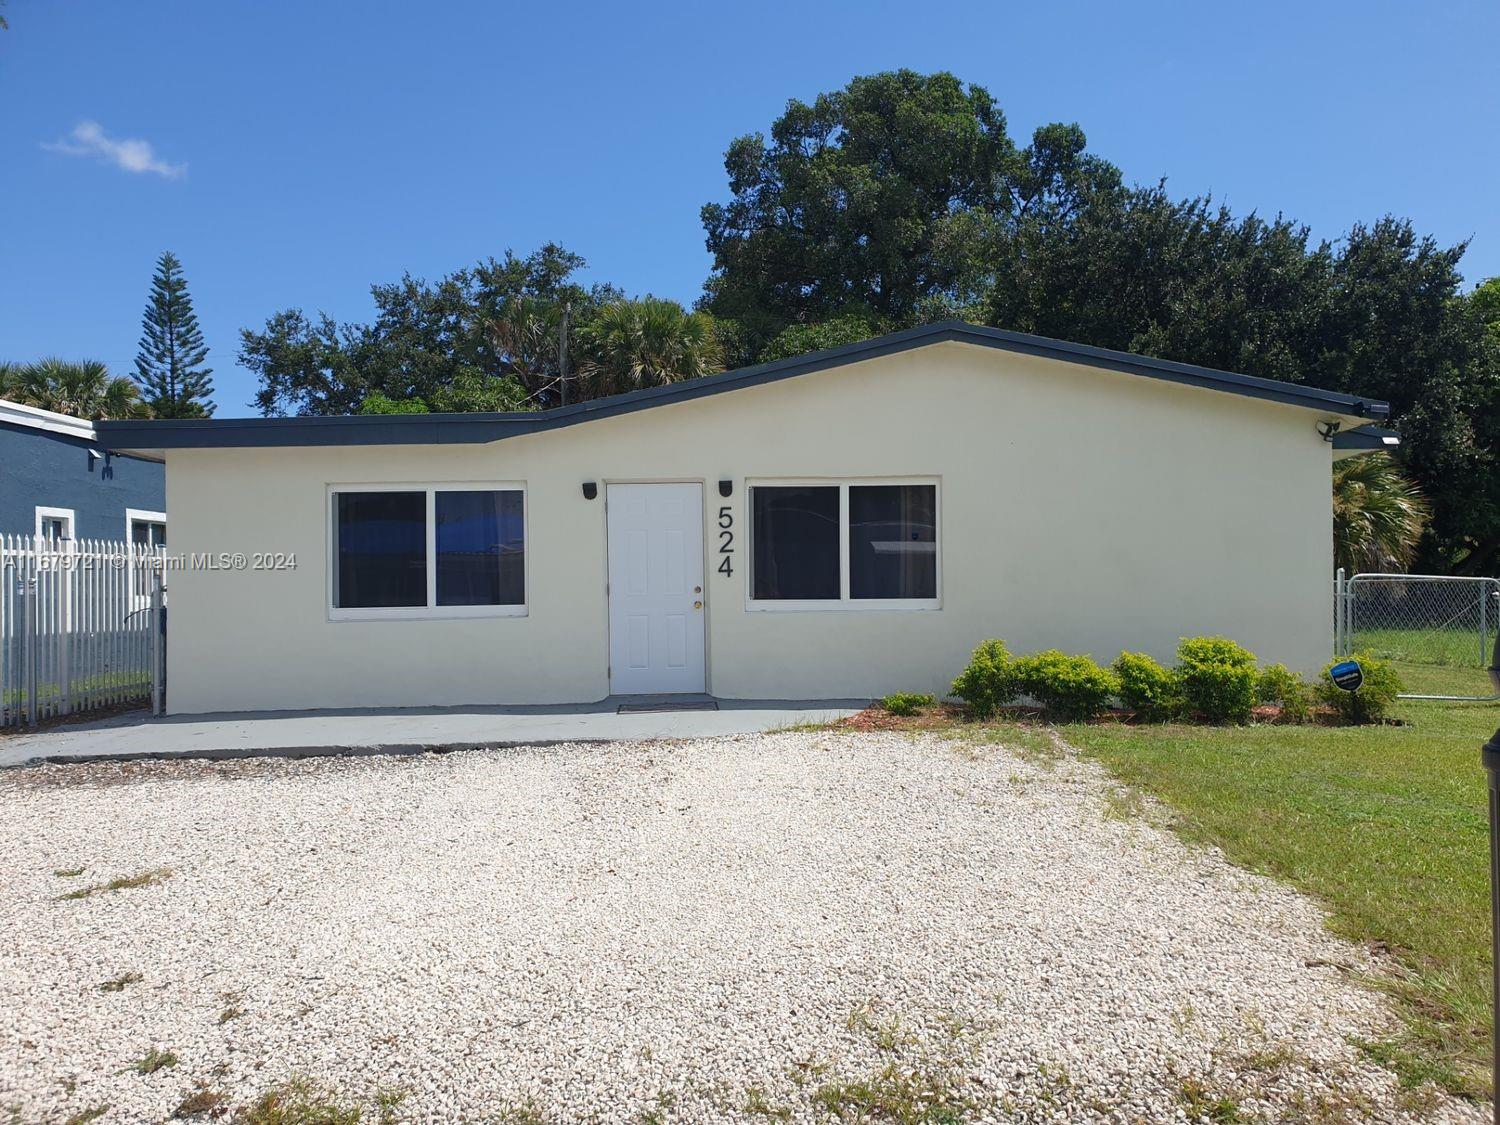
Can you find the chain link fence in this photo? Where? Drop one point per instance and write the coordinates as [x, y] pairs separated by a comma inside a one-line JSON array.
[[1438, 631]]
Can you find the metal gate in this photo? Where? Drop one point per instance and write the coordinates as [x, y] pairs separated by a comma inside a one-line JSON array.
[[82, 627], [1438, 631]]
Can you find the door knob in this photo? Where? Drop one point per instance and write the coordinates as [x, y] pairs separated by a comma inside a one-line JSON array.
[[697, 605], [697, 589]]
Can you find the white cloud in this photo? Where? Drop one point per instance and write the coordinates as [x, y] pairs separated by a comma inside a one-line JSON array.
[[89, 139]]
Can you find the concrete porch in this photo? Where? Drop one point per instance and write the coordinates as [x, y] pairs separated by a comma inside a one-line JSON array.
[[409, 731]]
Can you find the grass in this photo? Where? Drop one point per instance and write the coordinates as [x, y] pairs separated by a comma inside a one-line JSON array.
[[1431, 661], [232, 1009], [84, 1116], [202, 1101], [909, 1095], [120, 883], [299, 1102], [1453, 648], [152, 1061], [1204, 1103], [117, 984], [1386, 825]]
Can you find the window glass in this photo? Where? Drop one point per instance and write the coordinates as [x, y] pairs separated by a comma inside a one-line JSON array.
[[148, 533], [893, 541], [381, 542], [145, 535], [481, 549], [795, 543]]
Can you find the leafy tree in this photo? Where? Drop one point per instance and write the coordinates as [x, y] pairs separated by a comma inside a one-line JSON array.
[[378, 402], [169, 364], [1181, 279], [1485, 303], [647, 343], [444, 343], [900, 199], [1378, 515], [467, 394], [799, 339], [84, 389], [888, 195]]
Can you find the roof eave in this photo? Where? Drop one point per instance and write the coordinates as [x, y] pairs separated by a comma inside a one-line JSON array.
[[442, 429]]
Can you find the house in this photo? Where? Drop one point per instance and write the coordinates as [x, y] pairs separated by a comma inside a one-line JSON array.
[[59, 481], [841, 524]]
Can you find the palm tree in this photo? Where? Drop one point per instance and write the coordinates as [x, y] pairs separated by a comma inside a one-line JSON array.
[[647, 343], [84, 389], [1378, 515], [524, 339]]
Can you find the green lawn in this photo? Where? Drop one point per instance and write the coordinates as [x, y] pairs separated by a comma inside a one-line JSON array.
[[1386, 825], [1433, 661]]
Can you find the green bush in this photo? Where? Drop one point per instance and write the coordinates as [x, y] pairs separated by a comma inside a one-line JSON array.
[[907, 702], [1147, 688], [1067, 687], [1217, 678], [1369, 703], [1279, 684], [989, 682]]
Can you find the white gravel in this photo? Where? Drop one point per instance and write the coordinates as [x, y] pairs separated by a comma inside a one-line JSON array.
[[690, 931]]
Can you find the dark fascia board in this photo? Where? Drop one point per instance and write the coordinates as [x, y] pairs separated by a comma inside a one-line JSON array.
[[77, 442], [447, 429], [1366, 437]]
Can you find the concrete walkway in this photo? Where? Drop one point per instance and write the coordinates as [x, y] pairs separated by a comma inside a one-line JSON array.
[[309, 733]]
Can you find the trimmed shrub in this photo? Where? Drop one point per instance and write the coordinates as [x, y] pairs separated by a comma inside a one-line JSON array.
[[1147, 688], [906, 703], [1279, 684], [1369, 703], [1217, 678], [1067, 687], [989, 682]]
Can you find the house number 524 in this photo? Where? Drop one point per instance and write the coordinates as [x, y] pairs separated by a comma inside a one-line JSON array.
[[726, 540]]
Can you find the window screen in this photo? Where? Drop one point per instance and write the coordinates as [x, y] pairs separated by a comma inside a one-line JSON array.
[[795, 543], [481, 549], [892, 541], [381, 543]]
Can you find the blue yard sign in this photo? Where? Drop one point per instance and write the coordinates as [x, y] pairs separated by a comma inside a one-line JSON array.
[[1347, 675]]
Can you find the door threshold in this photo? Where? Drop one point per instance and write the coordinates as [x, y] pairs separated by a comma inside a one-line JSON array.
[[647, 706]]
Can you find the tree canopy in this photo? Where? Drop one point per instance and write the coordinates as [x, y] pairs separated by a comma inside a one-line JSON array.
[[169, 365], [900, 199], [82, 389]]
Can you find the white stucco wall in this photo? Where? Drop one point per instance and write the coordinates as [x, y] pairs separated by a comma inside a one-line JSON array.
[[1081, 509]]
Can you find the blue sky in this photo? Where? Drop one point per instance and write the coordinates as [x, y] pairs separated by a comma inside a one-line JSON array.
[[294, 153]]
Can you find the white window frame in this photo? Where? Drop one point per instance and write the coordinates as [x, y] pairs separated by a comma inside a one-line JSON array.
[[431, 611], [67, 546], [44, 513], [134, 516], [843, 603]]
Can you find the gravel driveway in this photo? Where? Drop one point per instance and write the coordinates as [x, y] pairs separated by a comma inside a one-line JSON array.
[[794, 925]]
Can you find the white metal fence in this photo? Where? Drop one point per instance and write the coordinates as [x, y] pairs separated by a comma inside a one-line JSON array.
[[1439, 631], [81, 627]]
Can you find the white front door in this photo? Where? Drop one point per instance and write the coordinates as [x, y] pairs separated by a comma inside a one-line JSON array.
[[655, 588]]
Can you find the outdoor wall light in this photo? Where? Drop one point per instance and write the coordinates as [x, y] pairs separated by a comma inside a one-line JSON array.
[[590, 489], [726, 487]]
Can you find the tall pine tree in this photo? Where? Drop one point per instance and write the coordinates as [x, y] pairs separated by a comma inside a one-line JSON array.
[[169, 365]]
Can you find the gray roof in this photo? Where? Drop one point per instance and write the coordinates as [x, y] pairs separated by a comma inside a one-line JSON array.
[[443, 429]]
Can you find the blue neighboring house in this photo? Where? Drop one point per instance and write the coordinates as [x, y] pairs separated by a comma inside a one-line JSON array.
[[56, 480]]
